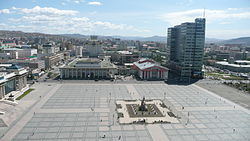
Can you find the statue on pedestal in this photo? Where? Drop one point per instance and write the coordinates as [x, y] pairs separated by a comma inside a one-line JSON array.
[[142, 107]]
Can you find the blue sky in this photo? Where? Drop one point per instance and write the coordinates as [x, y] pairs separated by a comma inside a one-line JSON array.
[[225, 18]]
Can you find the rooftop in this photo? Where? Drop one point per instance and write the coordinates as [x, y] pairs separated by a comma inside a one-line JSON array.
[[90, 63], [242, 61], [145, 63], [125, 52], [10, 49], [232, 65]]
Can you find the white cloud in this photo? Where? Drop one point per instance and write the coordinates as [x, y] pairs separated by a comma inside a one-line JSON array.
[[76, 1], [233, 8], [95, 3], [108, 25], [211, 15], [82, 19], [2, 24], [4, 11], [52, 20], [46, 10], [14, 8], [63, 3]]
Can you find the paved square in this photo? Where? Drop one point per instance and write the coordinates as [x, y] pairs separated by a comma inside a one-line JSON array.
[[85, 96], [77, 126], [87, 112]]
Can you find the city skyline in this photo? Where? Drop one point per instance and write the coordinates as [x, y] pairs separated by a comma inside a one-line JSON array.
[[225, 19]]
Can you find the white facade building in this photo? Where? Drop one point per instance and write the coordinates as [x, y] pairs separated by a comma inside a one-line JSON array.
[[12, 78], [78, 51], [88, 68], [15, 53], [26, 52], [149, 70], [93, 47]]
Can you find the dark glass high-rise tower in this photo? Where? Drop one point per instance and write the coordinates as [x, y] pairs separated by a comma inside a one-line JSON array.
[[185, 47]]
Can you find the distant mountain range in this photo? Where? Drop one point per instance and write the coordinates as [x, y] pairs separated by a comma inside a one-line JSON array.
[[163, 39], [241, 40], [213, 40], [153, 38]]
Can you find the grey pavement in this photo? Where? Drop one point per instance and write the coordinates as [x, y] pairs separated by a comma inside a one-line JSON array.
[[13, 113], [86, 111], [227, 92]]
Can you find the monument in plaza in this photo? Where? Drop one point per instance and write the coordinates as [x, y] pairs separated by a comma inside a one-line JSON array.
[[142, 107], [143, 111]]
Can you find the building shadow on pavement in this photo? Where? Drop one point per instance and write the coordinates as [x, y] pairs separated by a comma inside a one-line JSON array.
[[174, 79]]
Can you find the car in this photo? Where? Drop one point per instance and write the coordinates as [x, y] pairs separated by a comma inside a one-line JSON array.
[[96, 79]]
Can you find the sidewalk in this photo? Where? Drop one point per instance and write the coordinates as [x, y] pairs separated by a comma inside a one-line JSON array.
[[14, 113]]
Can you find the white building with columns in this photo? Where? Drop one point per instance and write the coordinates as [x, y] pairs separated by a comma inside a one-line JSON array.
[[148, 69], [13, 79], [88, 68]]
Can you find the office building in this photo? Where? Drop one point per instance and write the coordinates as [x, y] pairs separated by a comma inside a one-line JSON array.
[[32, 64], [93, 47], [185, 47], [50, 48], [56, 59], [15, 53], [122, 57], [78, 51]]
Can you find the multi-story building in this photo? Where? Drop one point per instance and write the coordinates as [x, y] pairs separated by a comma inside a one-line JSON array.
[[10, 53], [15, 53], [54, 60], [122, 57], [26, 53], [78, 51], [12, 79], [32, 64], [50, 48], [93, 47], [185, 47]]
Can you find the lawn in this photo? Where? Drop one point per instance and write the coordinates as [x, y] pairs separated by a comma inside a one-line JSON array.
[[24, 94], [225, 76]]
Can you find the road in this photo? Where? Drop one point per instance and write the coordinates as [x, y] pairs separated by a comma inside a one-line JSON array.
[[225, 91]]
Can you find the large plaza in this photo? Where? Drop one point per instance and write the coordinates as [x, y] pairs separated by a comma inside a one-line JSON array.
[[87, 111]]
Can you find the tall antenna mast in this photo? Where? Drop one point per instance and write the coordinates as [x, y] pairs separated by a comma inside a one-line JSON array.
[[204, 13]]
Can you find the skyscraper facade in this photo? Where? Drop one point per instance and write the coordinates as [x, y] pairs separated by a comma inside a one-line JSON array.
[[185, 45]]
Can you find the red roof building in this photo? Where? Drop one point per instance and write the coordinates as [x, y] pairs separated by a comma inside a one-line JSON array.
[[148, 69]]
